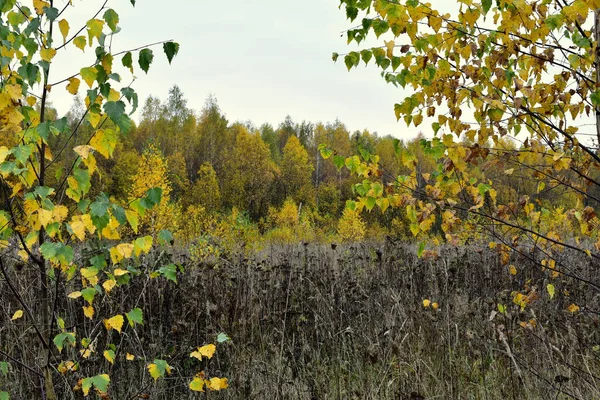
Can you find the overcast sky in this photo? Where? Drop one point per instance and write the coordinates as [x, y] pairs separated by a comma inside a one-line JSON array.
[[262, 59]]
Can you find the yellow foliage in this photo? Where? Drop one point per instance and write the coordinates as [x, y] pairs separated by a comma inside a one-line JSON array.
[[153, 173], [351, 227]]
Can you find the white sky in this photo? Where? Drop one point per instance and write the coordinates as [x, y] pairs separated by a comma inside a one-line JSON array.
[[262, 59]]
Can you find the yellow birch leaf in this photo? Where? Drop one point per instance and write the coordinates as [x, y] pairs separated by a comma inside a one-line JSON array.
[[512, 269], [126, 250], [110, 356], [426, 303], [115, 256], [94, 29], [14, 91], [154, 371], [217, 384], [142, 245], [129, 357], [197, 385], [114, 95], [39, 6], [551, 290], [44, 216], [80, 42], [60, 213], [435, 305], [83, 151], [110, 232], [573, 308], [115, 323], [47, 54], [88, 311], [18, 314], [89, 75], [74, 295], [73, 85], [109, 285], [120, 272], [31, 100], [63, 25], [204, 351]]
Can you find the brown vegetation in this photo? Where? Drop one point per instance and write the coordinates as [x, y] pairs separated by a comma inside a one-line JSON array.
[[345, 322]]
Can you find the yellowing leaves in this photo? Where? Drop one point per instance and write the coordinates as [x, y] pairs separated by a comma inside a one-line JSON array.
[[119, 252], [426, 303], [115, 323], [80, 42], [159, 368], [73, 86], [94, 29], [104, 141], [39, 6], [89, 75], [47, 54], [551, 290], [80, 224], [129, 357], [63, 25], [109, 285], [88, 311], [204, 351], [109, 355], [142, 245], [573, 308], [17, 315], [216, 384]]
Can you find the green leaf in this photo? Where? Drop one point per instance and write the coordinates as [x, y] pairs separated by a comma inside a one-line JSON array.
[[59, 340], [222, 338], [595, 97], [154, 195], [352, 60], [51, 13], [135, 316], [325, 151], [4, 367], [116, 112], [127, 61], [554, 21], [366, 56], [132, 98], [335, 57], [100, 382], [165, 237], [483, 188], [380, 27], [114, 109], [339, 162], [421, 249], [370, 202], [171, 49], [111, 18], [4, 395], [486, 5], [169, 272], [145, 59], [99, 208], [88, 294]]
